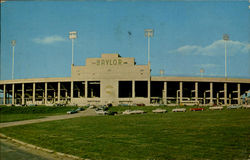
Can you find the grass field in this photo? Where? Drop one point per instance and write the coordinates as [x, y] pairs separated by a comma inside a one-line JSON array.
[[192, 135], [9, 114]]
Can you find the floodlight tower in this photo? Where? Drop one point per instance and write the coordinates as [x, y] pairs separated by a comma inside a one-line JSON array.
[[202, 71], [149, 33], [13, 44], [162, 71], [225, 38], [72, 35]]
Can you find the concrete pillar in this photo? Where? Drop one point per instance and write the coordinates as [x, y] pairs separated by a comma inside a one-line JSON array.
[[91, 93], [22, 93], [225, 93], [71, 91], [238, 88], [46, 93], [34, 93], [164, 94], [78, 93], [54, 99], [181, 91], [13, 94], [196, 91], [86, 89], [204, 97], [43, 100], [133, 89], [59, 92], [149, 89], [211, 94], [177, 96], [230, 98], [217, 98], [4, 94]]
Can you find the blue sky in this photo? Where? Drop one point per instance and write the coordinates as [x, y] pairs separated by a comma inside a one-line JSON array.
[[187, 36]]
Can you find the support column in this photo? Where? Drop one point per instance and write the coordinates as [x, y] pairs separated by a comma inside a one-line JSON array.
[[58, 92], [204, 97], [211, 93], [71, 91], [217, 98], [133, 89], [46, 92], [181, 86], [196, 91], [34, 93], [164, 95], [22, 93], [13, 94], [4, 94], [149, 87], [225, 93], [54, 99], [86, 89], [230, 98], [238, 88]]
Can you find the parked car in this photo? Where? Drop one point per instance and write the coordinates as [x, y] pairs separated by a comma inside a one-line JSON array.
[[80, 109], [196, 109], [112, 113], [234, 107], [72, 112], [179, 110], [101, 112], [159, 110], [133, 112], [140, 104]]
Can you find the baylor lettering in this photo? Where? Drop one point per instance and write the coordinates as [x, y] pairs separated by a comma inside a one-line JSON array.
[[108, 62]]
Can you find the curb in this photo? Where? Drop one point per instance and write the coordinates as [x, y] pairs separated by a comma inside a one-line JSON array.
[[39, 148]]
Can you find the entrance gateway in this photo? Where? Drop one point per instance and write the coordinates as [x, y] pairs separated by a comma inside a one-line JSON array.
[[116, 77], [118, 80]]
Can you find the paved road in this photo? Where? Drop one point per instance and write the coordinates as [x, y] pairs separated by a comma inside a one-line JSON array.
[[10, 151], [87, 112], [13, 151]]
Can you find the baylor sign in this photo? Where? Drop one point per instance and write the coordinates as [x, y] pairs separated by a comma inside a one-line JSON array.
[[108, 62]]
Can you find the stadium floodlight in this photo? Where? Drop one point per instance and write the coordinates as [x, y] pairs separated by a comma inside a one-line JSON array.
[[13, 44], [225, 38], [72, 35], [162, 72], [149, 33], [202, 71]]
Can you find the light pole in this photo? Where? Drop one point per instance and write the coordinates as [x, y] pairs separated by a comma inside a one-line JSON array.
[[72, 35], [225, 38], [162, 72], [13, 43], [202, 71], [149, 33]]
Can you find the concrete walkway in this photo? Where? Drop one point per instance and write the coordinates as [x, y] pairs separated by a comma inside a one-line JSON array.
[[87, 112]]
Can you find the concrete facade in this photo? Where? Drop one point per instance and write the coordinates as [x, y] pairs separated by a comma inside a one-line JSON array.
[[115, 79]]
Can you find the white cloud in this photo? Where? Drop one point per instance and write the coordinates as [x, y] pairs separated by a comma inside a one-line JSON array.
[[216, 48], [49, 39]]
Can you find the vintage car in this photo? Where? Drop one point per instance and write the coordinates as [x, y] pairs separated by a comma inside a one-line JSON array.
[[179, 110], [159, 110], [234, 107], [72, 112], [196, 109]]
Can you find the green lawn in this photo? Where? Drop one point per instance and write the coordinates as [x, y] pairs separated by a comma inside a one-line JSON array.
[[9, 114], [191, 135]]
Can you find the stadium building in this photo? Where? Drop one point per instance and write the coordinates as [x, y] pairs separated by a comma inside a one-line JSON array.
[[118, 80]]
